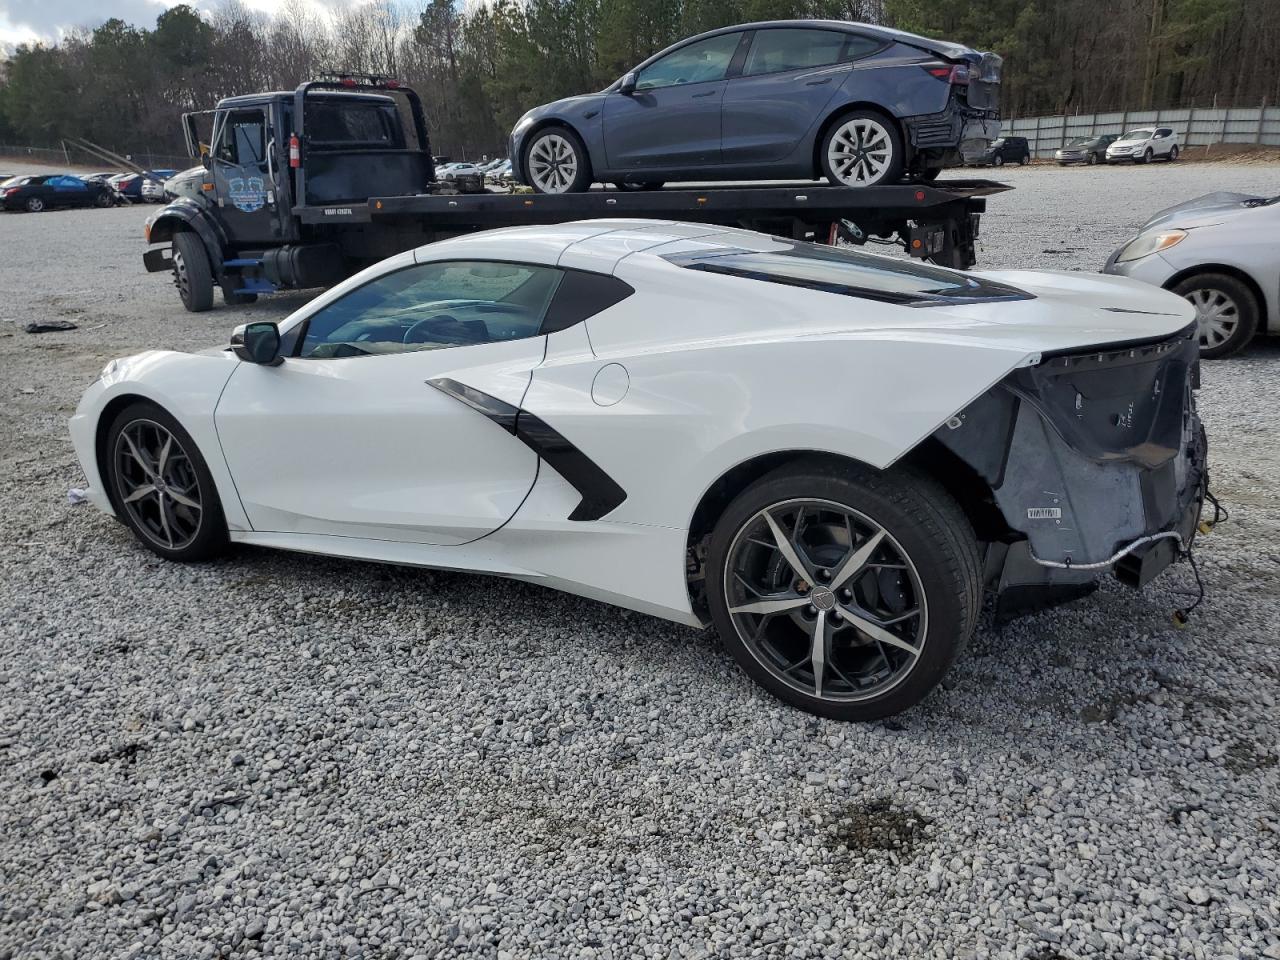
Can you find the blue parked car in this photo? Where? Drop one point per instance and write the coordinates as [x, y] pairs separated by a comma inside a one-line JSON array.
[[796, 99]]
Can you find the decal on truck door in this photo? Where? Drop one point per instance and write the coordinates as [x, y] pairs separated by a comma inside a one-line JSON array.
[[247, 193]]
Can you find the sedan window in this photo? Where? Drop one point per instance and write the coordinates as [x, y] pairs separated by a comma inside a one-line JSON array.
[[693, 63], [775, 51], [433, 305], [850, 273]]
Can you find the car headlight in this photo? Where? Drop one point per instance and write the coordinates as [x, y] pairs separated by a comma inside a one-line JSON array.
[[1149, 243]]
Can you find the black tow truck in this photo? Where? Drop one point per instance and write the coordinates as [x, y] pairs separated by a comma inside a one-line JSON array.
[[303, 188]]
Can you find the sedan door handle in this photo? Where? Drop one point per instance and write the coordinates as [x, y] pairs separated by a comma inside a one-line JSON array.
[[817, 83], [709, 93]]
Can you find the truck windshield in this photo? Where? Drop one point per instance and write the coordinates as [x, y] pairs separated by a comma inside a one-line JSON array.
[[341, 124]]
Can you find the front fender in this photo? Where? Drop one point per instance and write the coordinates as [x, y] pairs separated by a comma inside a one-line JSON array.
[[187, 214], [186, 385]]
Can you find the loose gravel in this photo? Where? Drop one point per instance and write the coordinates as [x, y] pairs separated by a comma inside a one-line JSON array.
[[278, 755]]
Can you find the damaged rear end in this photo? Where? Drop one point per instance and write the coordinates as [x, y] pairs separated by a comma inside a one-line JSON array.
[[1090, 461]]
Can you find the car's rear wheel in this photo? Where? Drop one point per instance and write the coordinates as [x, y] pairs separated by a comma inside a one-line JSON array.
[[1023, 160], [34, 205], [192, 274], [1226, 312], [862, 149], [161, 486], [844, 592], [556, 162], [1173, 153]]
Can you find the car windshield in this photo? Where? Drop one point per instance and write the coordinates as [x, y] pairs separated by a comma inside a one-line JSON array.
[[1142, 133], [849, 273], [1079, 141]]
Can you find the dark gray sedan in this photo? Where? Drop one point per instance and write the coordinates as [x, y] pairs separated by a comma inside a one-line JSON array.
[[796, 99]]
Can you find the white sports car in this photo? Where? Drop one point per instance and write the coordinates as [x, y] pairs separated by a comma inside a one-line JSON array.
[[829, 455]]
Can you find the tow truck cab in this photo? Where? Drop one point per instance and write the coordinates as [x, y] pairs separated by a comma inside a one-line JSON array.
[[329, 143]]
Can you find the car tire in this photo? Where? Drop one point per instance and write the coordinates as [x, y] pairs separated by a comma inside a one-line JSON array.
[[1146, 155], [1173, 153], [997, 161], [192, 274], [1226, 312], [1093, 160], [156, 474], [34, 205], [102, 200], [1023, 160], [845, 144], [563, 163], [914, 522]]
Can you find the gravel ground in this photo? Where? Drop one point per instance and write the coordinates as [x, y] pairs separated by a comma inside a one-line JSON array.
[[291, 756]]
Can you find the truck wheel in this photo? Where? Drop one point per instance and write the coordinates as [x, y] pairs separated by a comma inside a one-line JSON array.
[[1226, 312], [862, 149], [842, 591], [192, 274], [556, 162]]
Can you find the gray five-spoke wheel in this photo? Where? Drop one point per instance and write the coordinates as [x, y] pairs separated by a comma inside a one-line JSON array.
[[553, 163], [860, 152], [825, 599], [1217, 316], [157, 483]]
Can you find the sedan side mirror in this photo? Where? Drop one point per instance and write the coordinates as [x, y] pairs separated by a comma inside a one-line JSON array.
[[257, 342], [628, 85]]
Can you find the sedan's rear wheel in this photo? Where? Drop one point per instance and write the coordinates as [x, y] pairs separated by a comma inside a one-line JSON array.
[[843, 592], [862, 149], [161, 486], [34, 205], [556, 162], [1226, 312], [1173, 153]]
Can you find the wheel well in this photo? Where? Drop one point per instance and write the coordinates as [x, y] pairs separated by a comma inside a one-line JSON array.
[[1238, 274], [541, 125], [959, 479], [109, 412], [847, 108]]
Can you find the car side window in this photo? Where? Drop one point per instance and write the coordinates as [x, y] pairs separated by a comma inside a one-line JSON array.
[[698, 62], [1163, 132], [779, 50], [430, 306]]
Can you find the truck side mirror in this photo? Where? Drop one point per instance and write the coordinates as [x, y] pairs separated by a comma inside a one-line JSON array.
[[628, 85], [257, 342]]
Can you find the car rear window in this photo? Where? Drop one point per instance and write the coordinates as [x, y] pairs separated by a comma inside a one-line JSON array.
[[849, 273]]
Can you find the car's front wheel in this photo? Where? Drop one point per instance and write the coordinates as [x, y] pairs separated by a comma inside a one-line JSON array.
[[102, 200], [1226, 312], [161, 486], [1147, 155], [862, 149], [34, 205], [844, 592], [1093, 159], [556, 162], [997, 161]]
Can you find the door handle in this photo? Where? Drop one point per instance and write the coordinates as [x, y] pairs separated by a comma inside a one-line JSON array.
[[817, 83], [709, 93]]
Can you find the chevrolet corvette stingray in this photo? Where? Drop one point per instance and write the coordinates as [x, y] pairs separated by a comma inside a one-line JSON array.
[[829, 455]]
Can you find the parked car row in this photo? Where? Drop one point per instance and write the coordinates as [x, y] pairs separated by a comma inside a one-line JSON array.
[[497, 171], [36, 193], [1141, 145]]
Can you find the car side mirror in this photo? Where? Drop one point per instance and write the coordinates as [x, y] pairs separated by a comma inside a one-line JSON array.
[[257, 342], [628, 85]]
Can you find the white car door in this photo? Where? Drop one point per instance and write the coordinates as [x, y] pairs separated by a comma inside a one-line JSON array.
[[362, 432]]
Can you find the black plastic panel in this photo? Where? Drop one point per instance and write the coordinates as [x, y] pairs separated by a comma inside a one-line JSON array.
[[582, 295]]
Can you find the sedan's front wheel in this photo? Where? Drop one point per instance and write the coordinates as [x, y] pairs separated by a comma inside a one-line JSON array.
[[556, 162], [844, 592], [161, 486], [1226, 312], [34, 205], [863, 149]]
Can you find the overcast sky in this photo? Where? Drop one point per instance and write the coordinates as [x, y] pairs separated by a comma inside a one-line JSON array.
[[25, 21]]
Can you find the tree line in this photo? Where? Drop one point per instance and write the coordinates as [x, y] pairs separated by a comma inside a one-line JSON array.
[[477, 69]]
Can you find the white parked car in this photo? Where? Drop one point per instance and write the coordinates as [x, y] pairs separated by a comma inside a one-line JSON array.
[[454, 170], [1221, 252], [827, 454], [1144, 145]]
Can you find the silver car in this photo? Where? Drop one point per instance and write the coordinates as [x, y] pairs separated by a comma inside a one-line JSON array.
[[1220, 252]]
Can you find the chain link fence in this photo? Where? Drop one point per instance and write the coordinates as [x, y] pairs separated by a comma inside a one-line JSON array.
[[1195, 126], [71, 157]]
